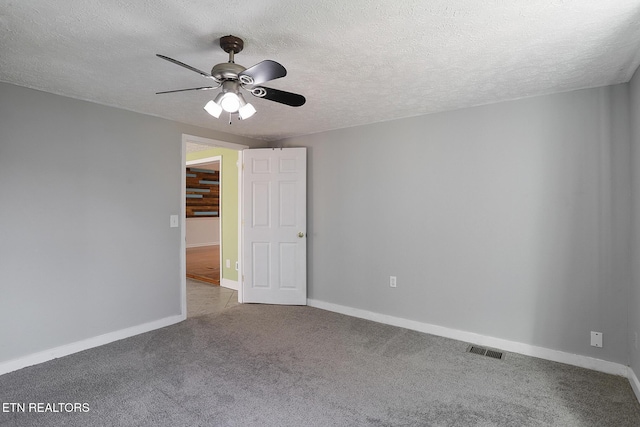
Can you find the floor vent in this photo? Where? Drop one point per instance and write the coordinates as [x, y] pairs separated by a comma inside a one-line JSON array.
[[485, 352]]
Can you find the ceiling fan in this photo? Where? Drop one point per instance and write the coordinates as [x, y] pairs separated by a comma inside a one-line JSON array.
[[232, 77]]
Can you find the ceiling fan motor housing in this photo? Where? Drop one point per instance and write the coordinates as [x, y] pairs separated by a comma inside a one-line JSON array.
[[226, 71]]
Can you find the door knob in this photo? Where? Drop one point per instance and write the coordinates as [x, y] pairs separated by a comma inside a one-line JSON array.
[[301, 234]]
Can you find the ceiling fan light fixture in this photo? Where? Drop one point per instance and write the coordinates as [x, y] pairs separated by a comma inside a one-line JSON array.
[[230, 102], [213, 108]]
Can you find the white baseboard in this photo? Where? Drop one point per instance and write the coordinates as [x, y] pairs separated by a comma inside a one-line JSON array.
[[198, 245], [65, 350], [231, 284], [512, 346], [483, 340], [635, 384]]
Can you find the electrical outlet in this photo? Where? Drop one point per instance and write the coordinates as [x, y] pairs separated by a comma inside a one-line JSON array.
[[227, 263], [392, 281], [596, 339]]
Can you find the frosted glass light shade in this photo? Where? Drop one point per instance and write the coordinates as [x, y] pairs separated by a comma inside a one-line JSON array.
[[213, 109], [246, 111], [230, 102]]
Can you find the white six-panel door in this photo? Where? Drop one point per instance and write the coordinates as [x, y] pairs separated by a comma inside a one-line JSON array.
[[274, 241]]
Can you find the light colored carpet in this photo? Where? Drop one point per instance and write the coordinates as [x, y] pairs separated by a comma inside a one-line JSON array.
[[260, 365]]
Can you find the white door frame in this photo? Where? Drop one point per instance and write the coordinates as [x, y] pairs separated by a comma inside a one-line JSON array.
[[213, 143]]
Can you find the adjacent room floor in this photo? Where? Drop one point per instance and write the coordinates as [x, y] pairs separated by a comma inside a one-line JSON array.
[[203, 298], [203, 264]]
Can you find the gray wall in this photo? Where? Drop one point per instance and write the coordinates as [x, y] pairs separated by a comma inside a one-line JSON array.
[[509, 220], [85, 197], [634, 296]]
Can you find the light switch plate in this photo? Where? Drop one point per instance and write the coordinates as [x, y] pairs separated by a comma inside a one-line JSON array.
[[174, 221]]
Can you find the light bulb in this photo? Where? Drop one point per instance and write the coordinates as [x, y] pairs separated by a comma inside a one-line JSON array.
[[230, 102], [213, 109]]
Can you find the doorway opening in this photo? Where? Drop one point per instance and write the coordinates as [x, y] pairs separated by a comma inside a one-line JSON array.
[[210, 242], [203, 230]]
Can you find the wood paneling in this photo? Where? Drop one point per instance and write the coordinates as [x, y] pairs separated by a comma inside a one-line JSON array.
[[206, 185]]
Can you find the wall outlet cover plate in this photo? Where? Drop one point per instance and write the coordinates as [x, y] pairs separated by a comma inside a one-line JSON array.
[[596, 339]]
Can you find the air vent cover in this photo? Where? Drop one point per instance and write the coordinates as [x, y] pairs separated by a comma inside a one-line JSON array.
[[485, 352]]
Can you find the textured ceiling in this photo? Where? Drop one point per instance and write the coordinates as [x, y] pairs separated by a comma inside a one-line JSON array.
[[356, 61]]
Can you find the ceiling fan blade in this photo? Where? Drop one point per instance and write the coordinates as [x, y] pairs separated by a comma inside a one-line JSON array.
[[184, 90], [188, 67], [263, 72], [287, 98]]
